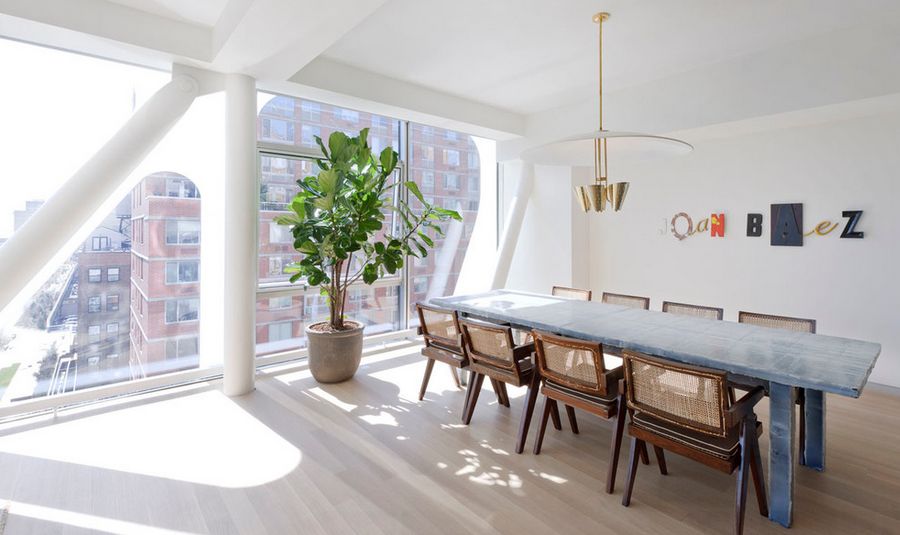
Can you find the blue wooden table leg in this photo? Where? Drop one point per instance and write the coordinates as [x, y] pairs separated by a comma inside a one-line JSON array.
[[781, 452], [812, 451]]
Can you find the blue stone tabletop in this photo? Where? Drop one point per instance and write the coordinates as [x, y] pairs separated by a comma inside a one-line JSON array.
[[815, 361]]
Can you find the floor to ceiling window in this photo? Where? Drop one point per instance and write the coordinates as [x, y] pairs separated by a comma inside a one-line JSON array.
[[444, 163]]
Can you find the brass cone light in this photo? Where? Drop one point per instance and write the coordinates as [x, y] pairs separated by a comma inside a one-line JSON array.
[[596, 196]]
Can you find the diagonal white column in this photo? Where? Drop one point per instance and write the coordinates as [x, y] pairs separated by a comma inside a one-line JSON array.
[[31, 247], [513, 225], [241, 220]]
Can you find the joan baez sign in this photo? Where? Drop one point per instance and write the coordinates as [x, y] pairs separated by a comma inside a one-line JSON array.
[[786, 225]]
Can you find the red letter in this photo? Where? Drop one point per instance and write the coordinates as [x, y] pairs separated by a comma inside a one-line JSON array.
[[717, 225]]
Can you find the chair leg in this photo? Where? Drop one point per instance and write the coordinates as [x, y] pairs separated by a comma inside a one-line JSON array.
[[661, 459], [475, 385], [428, 368], [469, 386], [455, 375], [495, 386], [503, 393], [527, 410], [632, 470], [759, 486], [615, 447], [554, 415], [570, 411], [642, 450], [742, 476], [543, 427]]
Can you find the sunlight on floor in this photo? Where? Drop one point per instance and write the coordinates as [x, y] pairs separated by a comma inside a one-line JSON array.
[[190, 438], [80, 520]]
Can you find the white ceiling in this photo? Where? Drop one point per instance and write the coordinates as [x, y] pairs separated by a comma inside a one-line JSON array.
[[202, 12], [527, 56]]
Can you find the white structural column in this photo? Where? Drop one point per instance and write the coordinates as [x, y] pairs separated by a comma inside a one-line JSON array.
[[47, 232], [239, 262], [510, 238]]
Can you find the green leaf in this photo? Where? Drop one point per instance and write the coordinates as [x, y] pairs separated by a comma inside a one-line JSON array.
[[287, 219], [414, 188], [328, 181], [388, 160], [338, 142], [426, 239]]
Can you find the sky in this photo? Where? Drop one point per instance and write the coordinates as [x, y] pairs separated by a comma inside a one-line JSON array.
[[56, 110]]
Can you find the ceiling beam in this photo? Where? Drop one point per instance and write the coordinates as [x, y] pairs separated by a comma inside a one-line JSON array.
[[340, 84]]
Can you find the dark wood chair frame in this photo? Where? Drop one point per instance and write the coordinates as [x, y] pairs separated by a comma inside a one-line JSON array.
[[502, 371], [450, 351], [606, 379], [801, 397], [746, 457], [645, 300], [720, 312]]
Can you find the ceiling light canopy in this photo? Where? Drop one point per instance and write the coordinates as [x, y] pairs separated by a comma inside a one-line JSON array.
[[592, 149]]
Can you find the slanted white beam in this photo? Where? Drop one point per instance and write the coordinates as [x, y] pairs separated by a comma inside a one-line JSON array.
[[110, 21], [340, 84], [30, 248], [510, 238], [273, 39]]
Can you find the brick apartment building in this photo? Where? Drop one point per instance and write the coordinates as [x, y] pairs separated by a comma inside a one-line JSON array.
[[165, 275]]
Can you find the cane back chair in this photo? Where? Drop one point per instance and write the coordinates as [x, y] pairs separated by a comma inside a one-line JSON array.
[[696, 311], [614, 354], [789, 324], [577, 294], [494, 354], [574, 373], [685, 410]]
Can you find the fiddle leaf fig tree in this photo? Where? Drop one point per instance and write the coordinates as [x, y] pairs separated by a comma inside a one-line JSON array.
[[338, 217]]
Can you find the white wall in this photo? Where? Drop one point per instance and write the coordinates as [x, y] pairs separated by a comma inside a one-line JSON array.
[[543, 255], [848, 285]]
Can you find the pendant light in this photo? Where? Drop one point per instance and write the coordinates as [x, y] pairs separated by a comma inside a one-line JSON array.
[[574, 150]]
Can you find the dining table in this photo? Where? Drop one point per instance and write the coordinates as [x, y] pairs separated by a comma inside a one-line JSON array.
[[786, 363]]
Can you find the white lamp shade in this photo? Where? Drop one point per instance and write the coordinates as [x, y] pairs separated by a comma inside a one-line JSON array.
[[578, 150]]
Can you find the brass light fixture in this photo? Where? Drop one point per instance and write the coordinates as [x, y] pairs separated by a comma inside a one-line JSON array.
[[566, 151]]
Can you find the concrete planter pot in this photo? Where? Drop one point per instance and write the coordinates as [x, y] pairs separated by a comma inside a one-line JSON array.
[[334, 356]]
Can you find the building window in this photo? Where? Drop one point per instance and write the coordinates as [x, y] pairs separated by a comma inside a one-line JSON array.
[[308, 135], [181, 348], [474, 183], [277, 265], [100, 243], [420, 285], [343, 114], [180, 310], [112, 302], [450, 135], [94, 304], [112, 331], [112, 274], [181, 187], [276, 194], [94, 274], [280, 233], [451, 157], [93, 333], [474, 161], [310, 111], [451, 182], [473, 206], [280, 303], [180, 231], [277, 130], [182, 271], [280, 331], [451, 203], [426, 154], [428, 180]]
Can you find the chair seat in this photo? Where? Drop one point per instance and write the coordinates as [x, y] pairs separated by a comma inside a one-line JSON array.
[[448, 354], [504, 374], [606, 400], [722, 447]]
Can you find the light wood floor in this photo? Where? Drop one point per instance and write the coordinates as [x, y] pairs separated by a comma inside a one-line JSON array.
[[366, 457]]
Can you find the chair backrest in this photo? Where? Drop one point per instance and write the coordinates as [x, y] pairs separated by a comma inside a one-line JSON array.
[[697, 311], [572, 293], [688, 396], [571, 362], [632, 301], [440, 327], [489, 343], [778, 322]]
